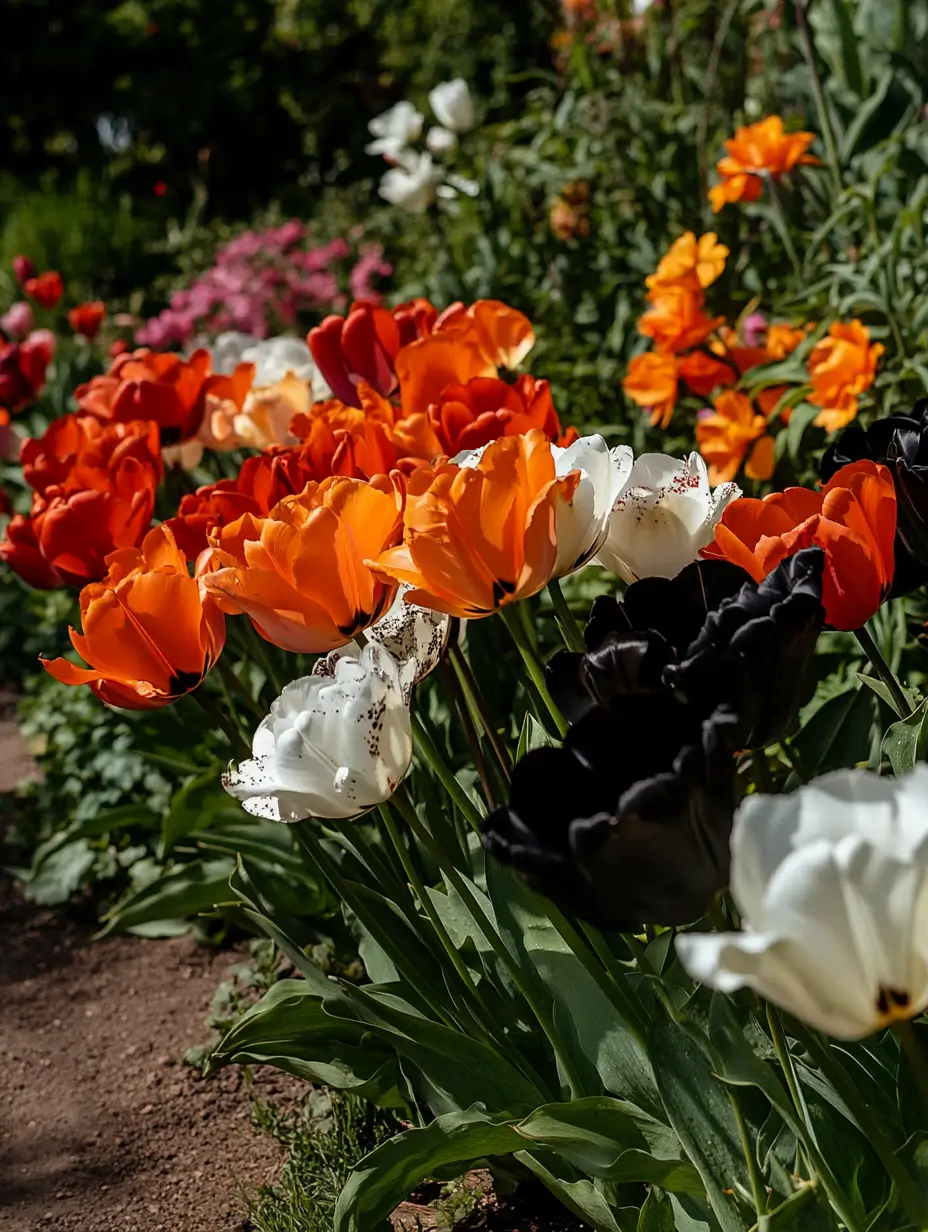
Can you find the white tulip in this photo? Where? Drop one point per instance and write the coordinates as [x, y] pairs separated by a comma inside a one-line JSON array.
[[276, 358], [453, 106], [441, 141], [583, 524], [394, 129], [412, 186], [665, 514], [415, 636], [226, 350], [331, 746], [832, 884]]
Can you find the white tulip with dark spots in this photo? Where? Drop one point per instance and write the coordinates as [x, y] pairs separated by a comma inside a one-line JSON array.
[[832, 885], [332, 746]]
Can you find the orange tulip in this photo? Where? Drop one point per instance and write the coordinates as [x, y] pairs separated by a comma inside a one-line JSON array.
[[149, 633], [841, 366], [754, 151], [503, 335], [853, 518], [76, 451], [676, 320], [146, 384], [690, 259], [86, 319], [731, 433], [479, 537], [471, 415], [300, 573], [651, 383]]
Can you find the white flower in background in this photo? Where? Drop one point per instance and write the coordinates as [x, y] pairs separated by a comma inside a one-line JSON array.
[[331, 746], [395, 129], [441, 141], [453, 106], [274, 359], [832, 884], [665, 514], [583, 524], [412, 185], [415, 636], [226, 350]]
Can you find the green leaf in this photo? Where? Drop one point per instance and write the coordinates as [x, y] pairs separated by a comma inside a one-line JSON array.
[[176, 895], [793, 1213], [656, 1213], [532, 736], [865, 113], [849, 66], [904, 743], [700, 1112], [838, 733], [195, 806], [800, 419]]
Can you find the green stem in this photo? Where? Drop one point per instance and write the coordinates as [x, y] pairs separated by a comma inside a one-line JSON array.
[[777, 202], [430, 751], [541, 1011], [831, 148], [223, 722], [883, 670], [237, 686], [835, 1073], [912, 1047], [453, 683], [475, 696], [533, 666], [758, 1192], [570, 630]]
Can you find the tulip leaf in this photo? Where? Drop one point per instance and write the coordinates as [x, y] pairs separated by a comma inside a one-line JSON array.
[[838, 733], [195, 806], [176, 895], [699, 1110], [794, 1212], [656, 1213], [800, 419], [904, 743], [882, 691], [532, 736]]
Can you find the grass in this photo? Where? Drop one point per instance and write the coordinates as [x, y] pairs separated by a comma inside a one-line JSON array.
[[329, 1134]]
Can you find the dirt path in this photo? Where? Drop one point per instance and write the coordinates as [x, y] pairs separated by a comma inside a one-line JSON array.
[[101, 1128]]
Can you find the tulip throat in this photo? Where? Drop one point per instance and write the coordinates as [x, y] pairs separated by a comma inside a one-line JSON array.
[[893, 1005]]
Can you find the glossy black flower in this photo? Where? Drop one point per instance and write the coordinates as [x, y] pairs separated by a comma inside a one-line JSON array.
[[629, 822], [901, 443], [712, 634]]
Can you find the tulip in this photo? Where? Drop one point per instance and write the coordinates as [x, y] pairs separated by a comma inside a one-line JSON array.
[[664, 515], [899, 442], [415, 636], [481, 536], [149, 632], [22, 371], [86, 319], [841, 366], [395, 129], [332, 746], [412, 185], [20, 550], [23, 269], [17, 321], [832, 884], [582, 524], [853, 518], [363, 346], [144, 384], [441, 141], [754, 151], [473, 414], [46, 289], [453, 106], [300, 573], [503, 335]]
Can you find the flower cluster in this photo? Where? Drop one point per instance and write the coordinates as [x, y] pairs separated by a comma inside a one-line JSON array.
[[415, 179], [266, 281], [755, 153]]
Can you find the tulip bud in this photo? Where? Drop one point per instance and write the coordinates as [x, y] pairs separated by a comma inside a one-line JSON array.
[[17, 321], [453, 106], [331, 747], [23, 269]]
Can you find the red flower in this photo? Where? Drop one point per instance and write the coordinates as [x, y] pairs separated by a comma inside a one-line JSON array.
[[86, 319], [147, 384], [20, 550], [22, 370], [46, 289], [363, 345], [471, 415], [160, 189], [23, 269]]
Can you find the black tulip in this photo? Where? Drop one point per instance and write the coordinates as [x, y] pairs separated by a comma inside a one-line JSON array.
[[629, 822], [901, 443]]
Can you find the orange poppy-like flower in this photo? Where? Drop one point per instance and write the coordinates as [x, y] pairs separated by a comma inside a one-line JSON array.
[[703, 373], [754, 151], [731, 433], [300, 573], [676, 320], [651, 383], [148, 631], [781, 340], [86, 319], [841, 366], [688, 259], [46, 289], [853, 518], [146, 384], [479, 537], [471, 415]]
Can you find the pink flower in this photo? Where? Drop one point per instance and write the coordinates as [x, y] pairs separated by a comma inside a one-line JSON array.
[[753, 329], [17, 321]]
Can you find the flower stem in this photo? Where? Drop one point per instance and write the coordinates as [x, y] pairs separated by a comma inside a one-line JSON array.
[[541, 1011], [533, 666], [473, 693], [223, 722], [570, 630], [883, 670], [443, 772], [913, 1049], [831, 148], [470, 731], [237, 686], [835, 1073], [777, 202], [758, 1192]]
